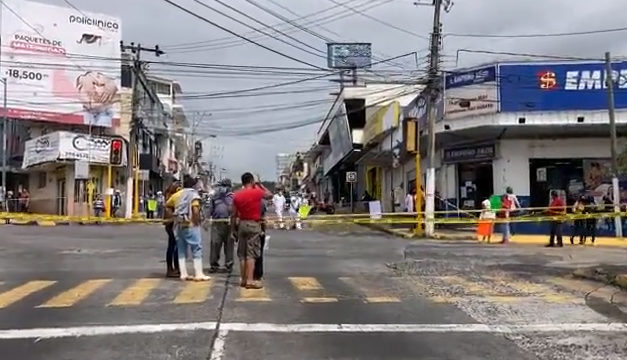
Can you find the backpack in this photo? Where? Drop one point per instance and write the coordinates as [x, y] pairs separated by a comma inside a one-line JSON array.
[[221, 204]]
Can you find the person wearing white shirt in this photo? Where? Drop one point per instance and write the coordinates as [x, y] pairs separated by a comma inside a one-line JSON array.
[[295, 202], [278, 200]]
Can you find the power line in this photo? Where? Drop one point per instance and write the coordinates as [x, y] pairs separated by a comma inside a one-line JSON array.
[[255, 29], [382, 22], [238, 35], [328, 19], [227, 40], [560, 34]]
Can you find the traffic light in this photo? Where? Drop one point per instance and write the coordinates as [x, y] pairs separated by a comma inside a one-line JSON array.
[[115, 155]]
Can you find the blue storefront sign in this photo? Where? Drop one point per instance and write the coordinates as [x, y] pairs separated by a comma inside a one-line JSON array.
[[470, 77], [560, 86]]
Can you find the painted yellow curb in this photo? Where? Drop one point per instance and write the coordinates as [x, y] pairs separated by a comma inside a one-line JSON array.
[[621, 280], [46, 223]]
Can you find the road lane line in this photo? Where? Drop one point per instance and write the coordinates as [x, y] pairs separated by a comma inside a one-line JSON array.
[[371, 296], [194, 292], [312, 290], [59, 332], [305, 283], [72, 296], [252, 295], [217, 352], [18, 293], [136, 293]]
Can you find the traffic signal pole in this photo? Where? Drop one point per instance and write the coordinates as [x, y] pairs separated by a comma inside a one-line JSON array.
[[109, 193]]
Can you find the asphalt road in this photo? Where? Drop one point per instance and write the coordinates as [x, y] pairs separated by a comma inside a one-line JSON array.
[[335, 293]]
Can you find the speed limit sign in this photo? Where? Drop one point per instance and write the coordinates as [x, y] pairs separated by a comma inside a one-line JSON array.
[[351, 176]]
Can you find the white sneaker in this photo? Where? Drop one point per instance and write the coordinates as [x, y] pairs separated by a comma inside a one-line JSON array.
[[199, 275]]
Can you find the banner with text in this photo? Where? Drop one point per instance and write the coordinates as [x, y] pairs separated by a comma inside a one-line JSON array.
[[471, 92], [61, 64]]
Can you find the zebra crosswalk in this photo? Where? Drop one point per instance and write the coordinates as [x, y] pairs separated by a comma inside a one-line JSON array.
[[308, 290]]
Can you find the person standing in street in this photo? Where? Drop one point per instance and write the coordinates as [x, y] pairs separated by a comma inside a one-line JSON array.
[[160, 204], [278, 201], [504, 213], [556, 208], [295, 202], [116, 203], [185, 205], [579, 225], [220, 209], [151, 206], [171, 254], [246, 223], [258, 273]]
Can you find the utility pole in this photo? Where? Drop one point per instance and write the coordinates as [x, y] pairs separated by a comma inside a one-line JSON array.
[[433, 92], [613, 143], [136, 124], [5, 126]]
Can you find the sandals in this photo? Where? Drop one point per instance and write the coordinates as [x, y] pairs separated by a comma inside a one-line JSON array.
[[255, 285]]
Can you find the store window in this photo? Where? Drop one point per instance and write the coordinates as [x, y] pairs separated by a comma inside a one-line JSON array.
[[41, 180], [555, 174]]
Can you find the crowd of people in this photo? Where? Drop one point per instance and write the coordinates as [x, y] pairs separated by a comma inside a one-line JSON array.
[[234, 217], [584, 226], [17, 201]]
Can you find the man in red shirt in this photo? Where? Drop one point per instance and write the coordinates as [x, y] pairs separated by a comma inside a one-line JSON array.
[[556, 208], [247, 209]]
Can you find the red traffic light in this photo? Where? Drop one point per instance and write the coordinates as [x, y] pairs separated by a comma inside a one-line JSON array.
[[116, 145]]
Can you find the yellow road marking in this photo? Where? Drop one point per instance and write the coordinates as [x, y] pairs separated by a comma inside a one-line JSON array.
[[575, 285], [18, 293], [305, 283], [319, 300], [250, 295], [136, 293], [470, 286], [75, 294], [540, 290], [194, 292], [372, 296]]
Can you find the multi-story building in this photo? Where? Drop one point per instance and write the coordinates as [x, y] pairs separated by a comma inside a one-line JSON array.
[[283, 162], [59, 146]]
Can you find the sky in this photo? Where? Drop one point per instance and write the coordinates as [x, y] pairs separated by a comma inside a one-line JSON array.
[[186, 38]]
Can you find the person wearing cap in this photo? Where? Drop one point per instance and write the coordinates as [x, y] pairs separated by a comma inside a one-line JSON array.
[[220, 209]]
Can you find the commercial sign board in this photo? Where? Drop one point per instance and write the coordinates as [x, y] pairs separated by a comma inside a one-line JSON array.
[[417, 109], [560, 86], [471, 92], [470, 153], [340, 138], [349, 55], [58, 63], [384, 119], [67, 146]]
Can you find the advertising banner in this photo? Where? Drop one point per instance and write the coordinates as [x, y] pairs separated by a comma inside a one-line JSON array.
[[384, 119], [62, 65], [471, 92], [560, 86], [340, 138], [67, 146], [417, 109]]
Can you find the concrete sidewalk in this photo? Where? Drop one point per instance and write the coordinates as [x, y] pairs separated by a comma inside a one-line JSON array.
[[467, 235]]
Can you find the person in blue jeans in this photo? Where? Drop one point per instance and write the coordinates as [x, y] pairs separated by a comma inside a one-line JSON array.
[[185, 205]]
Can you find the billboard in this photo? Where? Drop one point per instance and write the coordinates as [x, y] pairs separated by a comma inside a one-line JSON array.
[[340, 139], [349, 55], [68, 146], [560, 86], [61, 64], [471, 92]]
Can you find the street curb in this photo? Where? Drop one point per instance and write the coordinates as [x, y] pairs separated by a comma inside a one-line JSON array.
[[453, 237], [601, 275], [389, 231]]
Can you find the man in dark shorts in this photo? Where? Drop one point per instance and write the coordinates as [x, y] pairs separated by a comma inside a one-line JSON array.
[[247, 209]]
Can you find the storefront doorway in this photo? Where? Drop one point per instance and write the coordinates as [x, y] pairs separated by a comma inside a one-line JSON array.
[[475, 184], [555, 174]]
